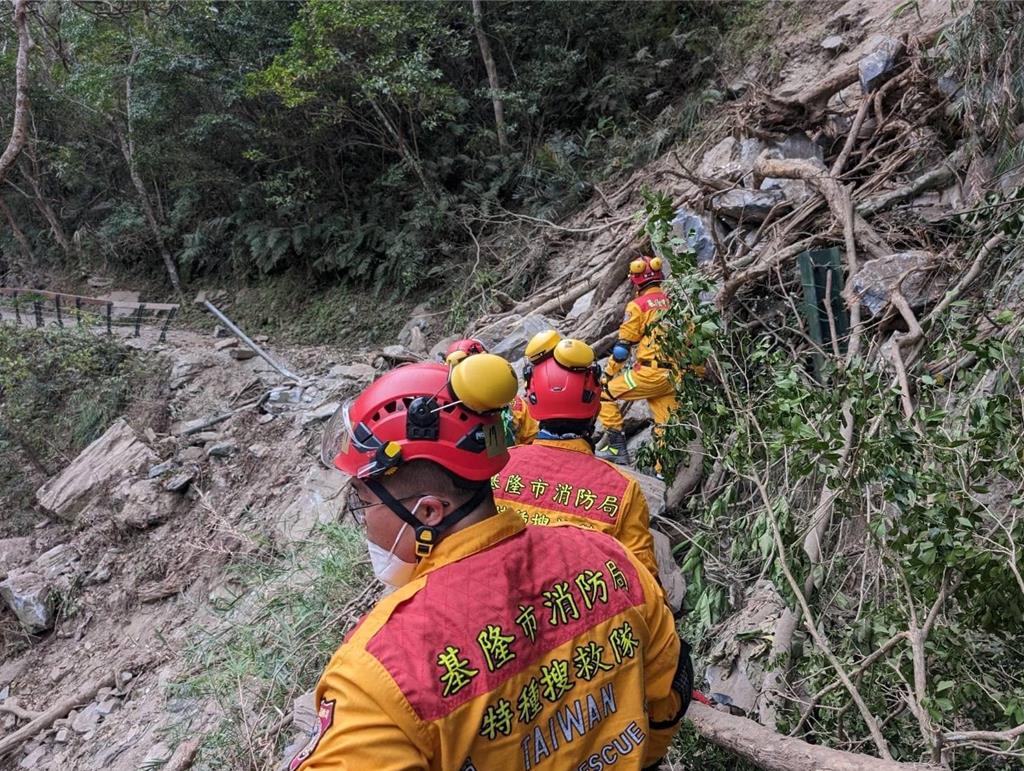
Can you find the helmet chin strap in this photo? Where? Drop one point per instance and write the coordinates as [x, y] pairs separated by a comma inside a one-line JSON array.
[[427, 536]]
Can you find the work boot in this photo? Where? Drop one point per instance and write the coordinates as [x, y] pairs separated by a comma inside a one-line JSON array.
[[614, 448]]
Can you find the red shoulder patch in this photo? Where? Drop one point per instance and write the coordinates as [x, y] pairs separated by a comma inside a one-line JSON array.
[[481, 620]]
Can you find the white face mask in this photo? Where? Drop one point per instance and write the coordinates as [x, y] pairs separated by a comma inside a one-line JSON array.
[[389, 569]]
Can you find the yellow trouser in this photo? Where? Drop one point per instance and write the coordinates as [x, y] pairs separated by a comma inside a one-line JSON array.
[[651, 383]]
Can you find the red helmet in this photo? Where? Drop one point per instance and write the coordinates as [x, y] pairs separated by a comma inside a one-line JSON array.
[[646, 270], [413, 413], [556, 391], [460, 349]]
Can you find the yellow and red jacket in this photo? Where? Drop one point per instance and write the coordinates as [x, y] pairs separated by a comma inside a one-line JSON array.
[[555, 481], [512, 647], [524, 426], [641, 324]]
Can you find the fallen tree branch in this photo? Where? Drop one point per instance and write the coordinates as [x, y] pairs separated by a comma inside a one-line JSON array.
[[985, 736], [775, 752], [12, 707], [930, 180], [56, 712], [687, 478]]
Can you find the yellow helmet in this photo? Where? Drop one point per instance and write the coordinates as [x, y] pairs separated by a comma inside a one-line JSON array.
[[484, 382], [574, 354], [646, 270], [541, 344]]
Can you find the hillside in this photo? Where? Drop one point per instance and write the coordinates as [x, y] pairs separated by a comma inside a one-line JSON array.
[[840, 204]]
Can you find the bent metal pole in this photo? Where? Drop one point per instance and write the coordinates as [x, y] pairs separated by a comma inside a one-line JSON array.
[[285, 372]]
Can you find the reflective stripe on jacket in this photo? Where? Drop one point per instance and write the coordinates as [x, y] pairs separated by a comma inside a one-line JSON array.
[[556, 481], [513, 648]]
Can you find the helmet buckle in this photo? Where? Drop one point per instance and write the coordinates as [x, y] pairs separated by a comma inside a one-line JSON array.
[[426, 538]]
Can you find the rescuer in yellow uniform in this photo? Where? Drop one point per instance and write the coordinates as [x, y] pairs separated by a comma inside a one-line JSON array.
[[502, 645], [650, 377], [557, 478]]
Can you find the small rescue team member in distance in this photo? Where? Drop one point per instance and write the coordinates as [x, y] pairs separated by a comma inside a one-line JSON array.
[[520, 427], [557, 479], [650, 377], [503, 646]]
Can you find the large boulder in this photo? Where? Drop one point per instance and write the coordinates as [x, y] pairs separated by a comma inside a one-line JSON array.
[[731, 159], [697, 230], [747, 206], [739, 656], [317, 502], [30, 597], [912, 272], [115, 455], [513, 333], [653, 490], [669, 574]]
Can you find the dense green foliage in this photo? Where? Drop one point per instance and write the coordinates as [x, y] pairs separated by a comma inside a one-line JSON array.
[[346, 140], [921, 506]]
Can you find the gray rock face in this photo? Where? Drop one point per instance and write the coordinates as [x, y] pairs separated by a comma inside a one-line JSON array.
[[876, 67], [912, 271], [222, 449], [696, 230], [184, 371], [116, 454], [30, 597], [321, 413], [730, 159], [747, 206], [669, 574], [513, 343]]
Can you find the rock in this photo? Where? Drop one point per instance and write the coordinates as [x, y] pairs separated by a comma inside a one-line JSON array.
[[58, 561], [221, 449], [654, 491], [14, 552], [144, 504], [108, 705], [321, 413], [834, 44], [417, 342], [418, 322], [634, 443], [223, 345], [282, 399], [738, 659], [798, 145], [115, 454], [185, 370], [876, 67], [30, 597], [874, 282], [441, 346], [205, 437], [161, 468], [317, 501], [216, 296], [669, 574], [34, 759], [266, 417], [696, 230], [190, 455], [261, 339], [100, 575], [513, 344], [220, 332], [581, 307], [355, 376], [87, 720], [259, 451], [730, 159], [747, 206], [242, 354], [63, 735], [179, 482], [11, 670], [636, 416]]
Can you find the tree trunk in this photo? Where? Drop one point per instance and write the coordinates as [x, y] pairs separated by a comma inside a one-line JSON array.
[[492, 76], [43, 205], [769, 750], [19, 235], [19, 129], [127, 142]]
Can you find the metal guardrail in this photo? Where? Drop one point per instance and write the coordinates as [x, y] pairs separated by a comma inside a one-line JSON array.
[[28, 306]]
